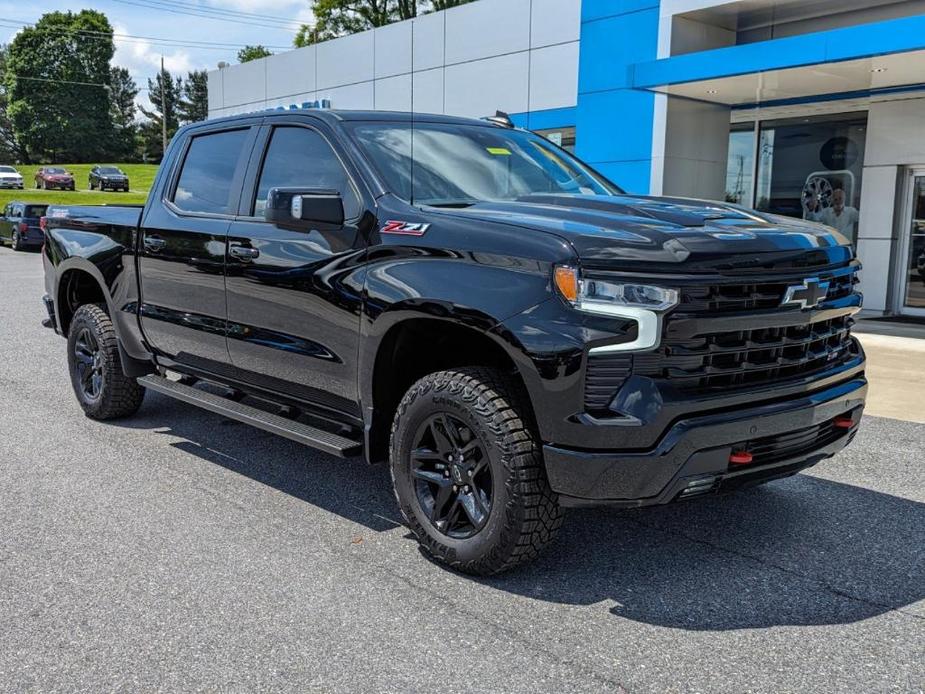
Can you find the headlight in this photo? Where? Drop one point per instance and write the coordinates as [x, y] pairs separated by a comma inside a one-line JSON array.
[[643, 303]]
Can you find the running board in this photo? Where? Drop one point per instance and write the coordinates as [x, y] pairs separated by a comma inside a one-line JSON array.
[[297, 431]]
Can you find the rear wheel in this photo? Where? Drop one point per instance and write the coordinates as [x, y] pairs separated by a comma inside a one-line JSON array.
[[468, 472], [102, 388], [16, 244]]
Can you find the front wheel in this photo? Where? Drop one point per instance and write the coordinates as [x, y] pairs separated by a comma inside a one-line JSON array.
[[468, 472], [102, 388]]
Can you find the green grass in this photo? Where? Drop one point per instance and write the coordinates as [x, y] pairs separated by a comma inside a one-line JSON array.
[[141, 177]]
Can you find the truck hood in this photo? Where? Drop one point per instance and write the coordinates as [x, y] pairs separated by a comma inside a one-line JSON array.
[[688, 235]]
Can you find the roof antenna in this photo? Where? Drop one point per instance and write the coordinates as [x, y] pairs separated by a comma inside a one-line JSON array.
[[502, 119]]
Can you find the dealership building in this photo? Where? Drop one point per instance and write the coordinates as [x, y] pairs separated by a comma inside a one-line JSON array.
[[806, 108]]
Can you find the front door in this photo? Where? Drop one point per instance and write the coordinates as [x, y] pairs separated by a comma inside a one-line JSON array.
[[911, 281], [182, 249], [294, 295]]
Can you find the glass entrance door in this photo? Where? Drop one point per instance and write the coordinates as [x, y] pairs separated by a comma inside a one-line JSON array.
[[912, 289]]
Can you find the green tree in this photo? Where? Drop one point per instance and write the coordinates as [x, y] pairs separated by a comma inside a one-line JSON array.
[[335, 18], [123, 91], [9, 147], [194, 104], [249, 53], [438, 5], [57, 80], [165, 110]]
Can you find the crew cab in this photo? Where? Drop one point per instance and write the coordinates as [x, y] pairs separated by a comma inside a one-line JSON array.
[[467, 301]]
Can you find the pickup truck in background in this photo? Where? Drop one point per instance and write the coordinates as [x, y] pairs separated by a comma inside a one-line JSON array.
[[472, 304]]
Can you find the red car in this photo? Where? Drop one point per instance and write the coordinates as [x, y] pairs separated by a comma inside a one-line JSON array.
[[49, 177]]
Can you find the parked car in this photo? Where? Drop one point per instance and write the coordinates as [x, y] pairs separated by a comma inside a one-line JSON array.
[[10, 177], [506, 327], [50, 177], [21, 225], [108, 177]]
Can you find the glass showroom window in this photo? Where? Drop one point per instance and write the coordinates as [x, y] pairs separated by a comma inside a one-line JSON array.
[[741, 165], [809, 168]]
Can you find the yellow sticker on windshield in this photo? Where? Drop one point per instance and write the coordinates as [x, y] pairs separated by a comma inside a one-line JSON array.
[[499, 151]]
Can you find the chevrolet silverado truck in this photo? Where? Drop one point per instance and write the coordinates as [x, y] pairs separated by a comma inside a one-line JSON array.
[[467, 301]]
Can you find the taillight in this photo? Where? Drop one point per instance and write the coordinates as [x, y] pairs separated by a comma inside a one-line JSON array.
[[43, 223], [23, 227]]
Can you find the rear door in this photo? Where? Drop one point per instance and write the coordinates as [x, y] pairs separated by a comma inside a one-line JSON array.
[[5, 227], [182, 245], [294, 298]]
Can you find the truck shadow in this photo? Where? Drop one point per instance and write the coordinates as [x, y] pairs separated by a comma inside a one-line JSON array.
[[801, 551]]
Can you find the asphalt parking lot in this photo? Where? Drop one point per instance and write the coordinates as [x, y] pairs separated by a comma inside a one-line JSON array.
[[180, 551]]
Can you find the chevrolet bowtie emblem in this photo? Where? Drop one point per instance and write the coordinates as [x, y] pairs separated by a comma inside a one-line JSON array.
[[807, 295]]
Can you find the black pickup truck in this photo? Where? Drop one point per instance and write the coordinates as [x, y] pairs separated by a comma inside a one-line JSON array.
[[470, 303]]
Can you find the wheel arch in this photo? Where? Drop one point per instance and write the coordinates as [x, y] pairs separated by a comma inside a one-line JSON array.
[[79, 282], [412, 345]]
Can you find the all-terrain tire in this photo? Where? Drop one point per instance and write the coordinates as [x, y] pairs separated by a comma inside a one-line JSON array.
[[118, 394], [16, 243], [525, 514]]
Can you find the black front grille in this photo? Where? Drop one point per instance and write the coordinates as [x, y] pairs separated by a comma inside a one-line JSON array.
[[748, 357], [729, 298], [711, 357]]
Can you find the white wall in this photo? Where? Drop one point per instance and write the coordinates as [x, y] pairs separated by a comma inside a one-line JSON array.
[[894, 142], [513, 55]]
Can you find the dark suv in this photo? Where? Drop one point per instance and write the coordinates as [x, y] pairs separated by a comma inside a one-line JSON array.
[[108, 178], [20, 225]]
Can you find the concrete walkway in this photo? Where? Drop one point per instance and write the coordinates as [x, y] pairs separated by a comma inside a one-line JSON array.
[[896, 369]]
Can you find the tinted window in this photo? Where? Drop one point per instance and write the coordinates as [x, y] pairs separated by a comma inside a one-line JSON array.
[[35, 210], [208, 172], [302, 158]]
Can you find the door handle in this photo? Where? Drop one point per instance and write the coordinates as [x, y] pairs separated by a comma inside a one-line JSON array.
[[154, 243], [243, 252]]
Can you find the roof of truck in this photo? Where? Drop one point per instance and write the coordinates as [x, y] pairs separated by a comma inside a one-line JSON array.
[[332, 115]]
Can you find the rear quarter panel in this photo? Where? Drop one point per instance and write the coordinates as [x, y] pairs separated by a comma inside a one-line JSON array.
[[100, 241]]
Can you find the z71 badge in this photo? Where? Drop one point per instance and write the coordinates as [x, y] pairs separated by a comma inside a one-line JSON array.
[[405, 228]]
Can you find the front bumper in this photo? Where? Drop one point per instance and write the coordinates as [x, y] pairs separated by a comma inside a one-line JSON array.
[[693, 456], [11, 184], [59, 185]]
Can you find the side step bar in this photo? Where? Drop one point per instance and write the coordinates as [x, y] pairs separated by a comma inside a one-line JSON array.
[[297, 431]]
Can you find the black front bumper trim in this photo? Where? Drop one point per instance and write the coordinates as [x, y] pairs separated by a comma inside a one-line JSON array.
[[698, 448]]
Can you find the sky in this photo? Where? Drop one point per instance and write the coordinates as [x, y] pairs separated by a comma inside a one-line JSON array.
[[159, 20]]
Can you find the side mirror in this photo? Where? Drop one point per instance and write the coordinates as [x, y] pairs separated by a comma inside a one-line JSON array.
[[303, 208]]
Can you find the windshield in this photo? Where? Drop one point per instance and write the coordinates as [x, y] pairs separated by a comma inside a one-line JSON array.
[[109, 170], [55, 171], [7, 169], [458, 165]]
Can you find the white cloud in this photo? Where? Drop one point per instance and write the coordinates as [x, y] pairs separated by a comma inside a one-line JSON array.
[[143, 60]]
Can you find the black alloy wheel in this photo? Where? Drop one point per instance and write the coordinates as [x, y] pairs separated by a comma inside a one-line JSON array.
[[468, 473], [102, 388], [453, 480], [89, 365]]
